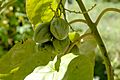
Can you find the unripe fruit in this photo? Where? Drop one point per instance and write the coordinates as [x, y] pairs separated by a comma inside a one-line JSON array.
[[42, 33], [59, 28], [61, 45]]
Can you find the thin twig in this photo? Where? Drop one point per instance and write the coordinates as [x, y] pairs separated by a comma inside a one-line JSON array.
[[79, 12], [52, 9], [73, 11], [92, 7]]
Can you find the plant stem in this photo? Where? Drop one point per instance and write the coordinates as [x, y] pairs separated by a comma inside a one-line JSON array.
[[78, 20], [104, 11], [99, 41]]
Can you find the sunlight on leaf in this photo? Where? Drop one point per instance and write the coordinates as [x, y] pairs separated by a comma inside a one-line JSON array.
[[39, 11]]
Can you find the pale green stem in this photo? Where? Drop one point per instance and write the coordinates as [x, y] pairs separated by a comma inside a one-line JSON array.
[[103, 12], [99, 41], [78, 20]]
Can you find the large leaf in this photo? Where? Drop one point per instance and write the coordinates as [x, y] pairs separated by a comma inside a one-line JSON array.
[[48, 72], [39, 10], [80, 68], [72, 67], [23, 58]]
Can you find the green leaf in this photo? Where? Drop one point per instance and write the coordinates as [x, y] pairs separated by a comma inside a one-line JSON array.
[[80, 68], [39, 10], [23, 58], [72, 67], [49, 72]]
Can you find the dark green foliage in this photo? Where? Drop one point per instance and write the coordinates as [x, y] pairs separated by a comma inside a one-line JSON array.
[[26, 55]]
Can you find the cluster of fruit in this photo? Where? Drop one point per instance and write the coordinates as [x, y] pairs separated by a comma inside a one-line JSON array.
[[55, 31]]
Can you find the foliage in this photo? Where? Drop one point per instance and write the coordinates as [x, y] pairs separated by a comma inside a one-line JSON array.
[[23, 58], [75, 61], [14, 25], [38, 10]]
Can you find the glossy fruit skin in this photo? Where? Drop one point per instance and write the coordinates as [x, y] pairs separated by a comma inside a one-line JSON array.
[[59, 28], [61, 45], [42, 33]]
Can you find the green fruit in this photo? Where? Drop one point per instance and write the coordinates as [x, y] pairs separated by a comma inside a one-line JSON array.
[[42, 33], [61, 45], [59, 28]]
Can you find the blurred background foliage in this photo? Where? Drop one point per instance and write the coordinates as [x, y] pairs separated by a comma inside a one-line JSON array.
[[15, 26]]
